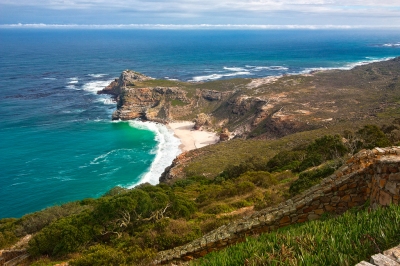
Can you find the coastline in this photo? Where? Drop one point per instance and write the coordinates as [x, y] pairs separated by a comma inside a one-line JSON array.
[[191, 139], [173, 139]]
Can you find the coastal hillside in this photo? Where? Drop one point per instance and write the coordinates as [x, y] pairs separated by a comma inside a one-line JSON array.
[[266, 108], [290, 136]]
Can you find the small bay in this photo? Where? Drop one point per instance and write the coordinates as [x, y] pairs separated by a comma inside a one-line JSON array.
[[58, 142]]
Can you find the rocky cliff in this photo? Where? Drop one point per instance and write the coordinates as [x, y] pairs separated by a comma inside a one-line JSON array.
[[266, 108]]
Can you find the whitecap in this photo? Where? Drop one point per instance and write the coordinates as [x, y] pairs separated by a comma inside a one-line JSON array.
[[50, 78], [103, 158], [72, 87], [166, 150], [97, 75], [218, 76], [235, 69], [260, 68], [394, 45], [106, 100], [73, 80], [95, 86], [16, 184], [172, 79], [348, 66]]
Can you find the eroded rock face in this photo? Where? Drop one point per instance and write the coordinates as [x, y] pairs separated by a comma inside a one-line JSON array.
[[127, 78], [147, 103], [213, 95], [225, 135], [202, 120]]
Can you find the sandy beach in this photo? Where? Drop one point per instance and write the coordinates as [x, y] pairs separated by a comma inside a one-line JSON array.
[[192, 139]]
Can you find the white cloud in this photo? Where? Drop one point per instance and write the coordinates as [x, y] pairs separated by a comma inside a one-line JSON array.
[[227, 10], [191, 26]]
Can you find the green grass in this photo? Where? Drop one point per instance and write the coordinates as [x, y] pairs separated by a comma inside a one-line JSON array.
[[344, 240], [178, 103]]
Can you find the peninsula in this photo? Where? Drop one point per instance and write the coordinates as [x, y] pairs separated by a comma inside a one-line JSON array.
[[320, 150]]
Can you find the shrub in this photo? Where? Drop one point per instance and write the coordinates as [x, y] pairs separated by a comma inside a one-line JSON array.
[[218, 208], [259, 178], [285, 160], [100, 255], [371, 136], [312, 177], [254, 163], [62, 237]]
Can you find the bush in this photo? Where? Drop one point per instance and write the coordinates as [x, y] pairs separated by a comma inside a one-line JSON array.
[[285, 160], [371, 136], [100, 255], [254, 163], [218, 208], [312, 177], [62, 237], [259, 178]]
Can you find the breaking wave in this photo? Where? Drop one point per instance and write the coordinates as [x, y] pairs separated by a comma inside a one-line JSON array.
[[166, 150]]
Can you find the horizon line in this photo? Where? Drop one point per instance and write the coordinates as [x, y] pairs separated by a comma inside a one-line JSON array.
[[192, 26]]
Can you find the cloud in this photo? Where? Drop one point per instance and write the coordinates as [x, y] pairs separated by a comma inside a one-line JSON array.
[[190, 26], [205, 5], [211, 11]]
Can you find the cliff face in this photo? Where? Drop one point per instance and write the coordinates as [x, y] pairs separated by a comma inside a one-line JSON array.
[[136, 101], [148, 103], [127, 78], [266, 108]]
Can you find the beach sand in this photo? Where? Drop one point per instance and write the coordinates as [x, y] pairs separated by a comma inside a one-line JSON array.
[[192, 139]]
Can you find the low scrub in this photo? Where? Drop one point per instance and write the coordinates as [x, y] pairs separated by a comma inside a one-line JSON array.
[[344, 240]]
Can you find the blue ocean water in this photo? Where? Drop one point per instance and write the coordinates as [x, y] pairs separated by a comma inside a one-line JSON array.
[[57, 141]]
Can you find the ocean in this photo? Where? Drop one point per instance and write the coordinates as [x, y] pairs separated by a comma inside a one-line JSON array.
[[58, 143]]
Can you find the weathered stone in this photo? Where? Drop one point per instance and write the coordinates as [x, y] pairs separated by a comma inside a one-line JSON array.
[[392, 187], [284, 220], [382, 183], [309, 209], [384, 199], [346, 198], [319, 211], [379, 259], [312, 217], [394, 177], [393, 253], [329, 208], [364, 263], [335, 199]]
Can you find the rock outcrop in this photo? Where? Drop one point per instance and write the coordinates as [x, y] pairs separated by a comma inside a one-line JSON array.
[[151, 103], [127, 78], [225, 135], [201, 120], [213, 95]]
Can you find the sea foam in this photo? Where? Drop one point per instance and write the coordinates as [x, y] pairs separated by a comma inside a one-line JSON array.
[[166, 150], [95, 86], [218, 76]]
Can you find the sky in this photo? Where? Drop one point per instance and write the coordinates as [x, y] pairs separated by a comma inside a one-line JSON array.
[[201, 13]]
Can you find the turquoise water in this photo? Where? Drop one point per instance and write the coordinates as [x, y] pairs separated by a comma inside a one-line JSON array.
[[57, 141]]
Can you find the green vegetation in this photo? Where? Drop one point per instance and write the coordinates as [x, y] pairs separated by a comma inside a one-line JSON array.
[[177, 103], [127, 227], [343, 240]]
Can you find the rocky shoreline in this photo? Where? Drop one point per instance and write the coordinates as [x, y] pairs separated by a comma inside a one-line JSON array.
[[267, 108]]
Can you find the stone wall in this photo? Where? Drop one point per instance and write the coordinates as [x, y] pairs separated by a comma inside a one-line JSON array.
[[372, 175]]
